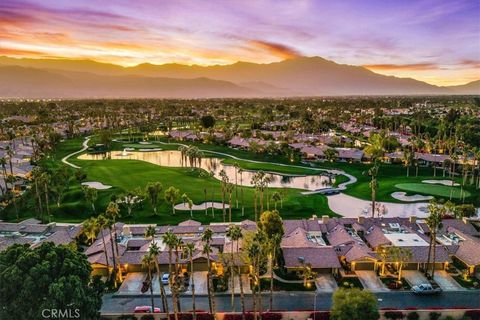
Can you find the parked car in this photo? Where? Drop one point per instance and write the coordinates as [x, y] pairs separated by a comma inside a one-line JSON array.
[[146, 309], [425, 288], [165, 278]]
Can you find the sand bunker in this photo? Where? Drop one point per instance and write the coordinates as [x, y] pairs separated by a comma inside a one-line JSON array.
[[444, 182], [216, 205], [403, 197], [96, 185]]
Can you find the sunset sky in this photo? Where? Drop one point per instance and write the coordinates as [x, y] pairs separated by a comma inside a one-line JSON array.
[[433, 41]]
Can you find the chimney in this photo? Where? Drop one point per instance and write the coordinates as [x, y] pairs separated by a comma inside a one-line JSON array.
[[325, 219], [465, 220], [361, 219], [126, 231], [412, 219], [314, 217]]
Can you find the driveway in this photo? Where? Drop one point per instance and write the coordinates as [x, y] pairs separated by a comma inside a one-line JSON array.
[[326, 283], [414, 277], [370, 280], [445, 281], [132, 283], [156, 286], [245, 283], [200, 279]]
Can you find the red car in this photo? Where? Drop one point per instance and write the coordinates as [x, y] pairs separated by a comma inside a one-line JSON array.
[[146, 309]]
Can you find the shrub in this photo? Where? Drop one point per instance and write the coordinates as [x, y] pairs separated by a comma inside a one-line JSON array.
[[413, 316], [147, 317], [238, 316], [127, 317], [394, 315], [320, 315], [270, 316], [189, 316], [472, 314], [434, 315]]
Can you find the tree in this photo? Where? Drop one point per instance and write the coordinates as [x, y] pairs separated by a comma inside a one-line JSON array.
[[206, 239], [152, 191], [171, 240], [276, 196], [189, 250], [375, 149], [154, 251], [171, 196], [373, 173], [90, 195], [47, 277], [354, 304], [400, 256], [271, 226], [407, 160], [148, 263], [434, 223], [207, 121], [330, 154]]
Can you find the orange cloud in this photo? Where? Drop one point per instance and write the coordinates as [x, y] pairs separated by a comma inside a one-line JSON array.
[[413, 66], [18, 52], [276, 49]]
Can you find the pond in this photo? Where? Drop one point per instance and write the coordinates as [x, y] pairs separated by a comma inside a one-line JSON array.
[[173, 158]]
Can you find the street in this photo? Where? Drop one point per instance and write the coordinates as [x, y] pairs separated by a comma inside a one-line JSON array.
[[300, 301]]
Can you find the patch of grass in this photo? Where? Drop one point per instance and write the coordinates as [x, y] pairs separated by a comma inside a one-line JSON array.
[[434, 190]]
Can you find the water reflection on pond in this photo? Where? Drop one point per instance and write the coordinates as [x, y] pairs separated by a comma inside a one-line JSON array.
[[173, 158]]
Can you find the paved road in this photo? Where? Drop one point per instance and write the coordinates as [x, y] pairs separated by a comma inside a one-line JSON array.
[[303, 301]]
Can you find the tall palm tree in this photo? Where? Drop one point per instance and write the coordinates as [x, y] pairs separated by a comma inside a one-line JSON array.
[[102, 225], [170, 239], [189, 249], [236, 235], [90, 229], [147, 263], [373, 172], [154, 250], [230, 234], [254, 257], [240, 172], [207, 236], [407, 160], [434, 223], [237, 167]]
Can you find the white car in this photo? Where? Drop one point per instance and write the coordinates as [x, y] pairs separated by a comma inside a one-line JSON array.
[[165, 278]]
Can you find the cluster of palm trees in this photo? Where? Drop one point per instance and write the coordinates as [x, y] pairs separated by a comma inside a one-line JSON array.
[[191, 155], [100, 224], [179, 251]]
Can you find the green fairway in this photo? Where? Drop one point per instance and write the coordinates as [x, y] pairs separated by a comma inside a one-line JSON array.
[[434, 190]]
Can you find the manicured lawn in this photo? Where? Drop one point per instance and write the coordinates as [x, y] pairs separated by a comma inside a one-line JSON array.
[[126, 175], [432, 189]]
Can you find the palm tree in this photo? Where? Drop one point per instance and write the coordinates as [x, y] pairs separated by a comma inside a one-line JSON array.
[[235, 235], [254, 253], [189, 249], [229, 189], [276, 196], [90, 229], [206, 239], [373, 172], [10, 152], [102, 223], [90, 195], [3, 164], [170, 239], [154, 251], [230, 234], [153, 190], [237, 167], [171, 196], [240, 172], [407, 160], [147, 263], [434, 223]]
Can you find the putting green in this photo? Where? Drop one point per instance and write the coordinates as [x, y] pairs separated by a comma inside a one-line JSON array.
[[434, 190]]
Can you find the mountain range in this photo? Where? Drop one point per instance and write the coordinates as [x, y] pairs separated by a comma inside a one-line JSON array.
[[304, 76]]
